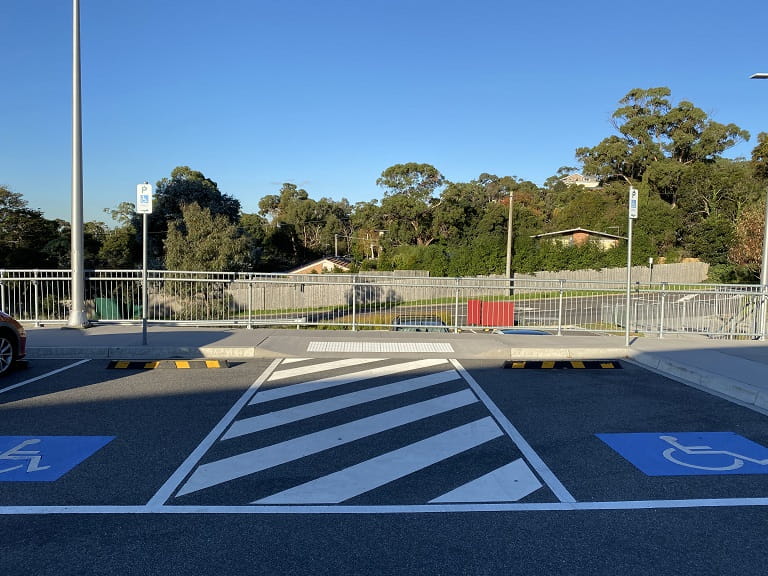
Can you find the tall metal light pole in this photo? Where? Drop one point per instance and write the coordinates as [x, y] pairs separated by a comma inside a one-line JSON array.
[[508, 271], [764, 262], [77, 315]]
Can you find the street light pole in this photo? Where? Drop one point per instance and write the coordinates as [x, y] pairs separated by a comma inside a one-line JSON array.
[[77, 315], [764, 262], [508, 271]]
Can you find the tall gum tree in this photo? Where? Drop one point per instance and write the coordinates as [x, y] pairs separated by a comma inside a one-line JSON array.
[[657, 142]]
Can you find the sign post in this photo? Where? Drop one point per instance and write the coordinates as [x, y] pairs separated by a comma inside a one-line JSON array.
[[633, 197], [144, 206]]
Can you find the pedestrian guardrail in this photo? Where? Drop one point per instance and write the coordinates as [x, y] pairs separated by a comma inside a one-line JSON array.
[[379, 301]]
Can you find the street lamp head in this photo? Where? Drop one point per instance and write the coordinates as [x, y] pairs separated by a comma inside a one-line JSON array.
[[760, 76]]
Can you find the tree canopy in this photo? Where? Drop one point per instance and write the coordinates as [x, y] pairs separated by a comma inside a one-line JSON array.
[[695, 202]]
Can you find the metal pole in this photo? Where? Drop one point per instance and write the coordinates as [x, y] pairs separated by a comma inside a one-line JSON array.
[[764, 263], [144, 298], [508, 272], [77, 315], [631, 215], [629, 281], [764, 274]]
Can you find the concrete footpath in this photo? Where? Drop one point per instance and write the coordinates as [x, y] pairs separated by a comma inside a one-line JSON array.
[[737, 370]]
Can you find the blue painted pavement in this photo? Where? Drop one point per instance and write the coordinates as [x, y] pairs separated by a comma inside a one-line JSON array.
[[44, 458], [690, 453]]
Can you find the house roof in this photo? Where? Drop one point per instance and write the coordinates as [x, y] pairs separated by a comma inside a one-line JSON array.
[[329, 261], [577, 230]]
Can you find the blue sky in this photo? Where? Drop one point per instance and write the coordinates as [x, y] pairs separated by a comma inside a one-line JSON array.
[[327, 94]]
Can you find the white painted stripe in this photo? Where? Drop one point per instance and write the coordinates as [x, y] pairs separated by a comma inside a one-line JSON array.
[[296, 413], [323, 383], [376, 472], [529, 453], [506, 484], [253, 461], [181, 472], [321, 367], [42, 376], [386, 347], [294, 360], [395, 509]]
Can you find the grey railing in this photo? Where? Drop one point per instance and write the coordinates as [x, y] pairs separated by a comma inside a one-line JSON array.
[[379, 301]]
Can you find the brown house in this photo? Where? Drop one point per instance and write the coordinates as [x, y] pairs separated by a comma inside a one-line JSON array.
[[580, 236]]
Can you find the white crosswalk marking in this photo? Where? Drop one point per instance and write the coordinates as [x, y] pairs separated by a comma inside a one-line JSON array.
[[361, 478], [382, 347], [297, 413], [284, 392], [253, 461]]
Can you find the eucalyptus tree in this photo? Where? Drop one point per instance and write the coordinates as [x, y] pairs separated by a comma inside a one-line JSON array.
[[185, 187], [202, 240], [658, 141], [408, 203], [27, 239]]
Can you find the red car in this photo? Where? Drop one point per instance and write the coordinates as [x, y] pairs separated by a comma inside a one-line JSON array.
[[13, 342]]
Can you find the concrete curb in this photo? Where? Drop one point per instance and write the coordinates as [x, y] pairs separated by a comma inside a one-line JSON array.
[[731, 387], [153, 352], [567, 353]]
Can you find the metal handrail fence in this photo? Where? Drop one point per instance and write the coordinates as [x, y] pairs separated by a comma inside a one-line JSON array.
[[382, 301]]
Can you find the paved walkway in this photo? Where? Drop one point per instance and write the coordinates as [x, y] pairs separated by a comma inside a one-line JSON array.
[[737, 370]]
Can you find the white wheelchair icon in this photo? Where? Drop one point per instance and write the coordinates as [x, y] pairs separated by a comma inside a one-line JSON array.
[[32, 457], [679, 454]]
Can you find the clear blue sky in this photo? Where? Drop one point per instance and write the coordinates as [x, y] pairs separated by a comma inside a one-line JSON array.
[[328, 93]]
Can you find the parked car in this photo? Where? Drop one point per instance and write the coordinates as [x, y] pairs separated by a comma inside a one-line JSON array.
[[13, 342], [419, 324]]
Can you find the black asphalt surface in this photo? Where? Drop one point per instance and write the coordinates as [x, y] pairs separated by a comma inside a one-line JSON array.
[[160, 416]]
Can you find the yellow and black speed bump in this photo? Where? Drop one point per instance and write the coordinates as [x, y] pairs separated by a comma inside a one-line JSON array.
[[562, 364], [180, 364]]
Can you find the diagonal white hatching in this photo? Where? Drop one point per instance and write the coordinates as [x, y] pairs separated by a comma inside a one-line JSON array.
[[285, 373], [253, 461], [509, 483], [312, 409], [323, 383], [370, 474]]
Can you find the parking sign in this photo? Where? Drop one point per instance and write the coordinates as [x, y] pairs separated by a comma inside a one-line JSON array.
[[144, 198], [633, 197]]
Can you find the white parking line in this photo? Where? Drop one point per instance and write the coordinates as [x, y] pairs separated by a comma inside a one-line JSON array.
[[43, 376], [181, 472], [530, 454], [405, 509]]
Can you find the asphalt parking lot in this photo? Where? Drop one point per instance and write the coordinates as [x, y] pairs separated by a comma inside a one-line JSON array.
[[449, 460]]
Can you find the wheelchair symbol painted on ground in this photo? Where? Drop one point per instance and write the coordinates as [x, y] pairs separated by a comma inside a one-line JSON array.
[[698, 456], [16, 453], [44, 458], [690, 453]]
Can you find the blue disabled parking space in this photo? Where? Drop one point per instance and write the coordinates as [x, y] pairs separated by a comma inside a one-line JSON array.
[[44, 458], [690, 453]]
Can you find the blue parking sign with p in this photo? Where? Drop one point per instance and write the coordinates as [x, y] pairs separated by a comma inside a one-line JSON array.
[[690, 453], [44, 458]]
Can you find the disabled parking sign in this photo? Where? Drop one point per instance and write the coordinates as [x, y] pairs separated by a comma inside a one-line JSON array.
[[690, 453], [44, 458]]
